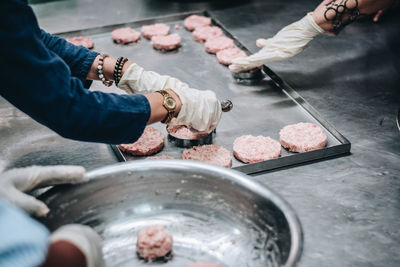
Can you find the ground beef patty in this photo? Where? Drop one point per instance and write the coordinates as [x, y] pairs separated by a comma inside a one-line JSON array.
[[194, 21], [160, 157], [212, 154], [249, 149], [149, 31], [81, 40], [203, 33], [203, 264], [151, 141], [184, 132], [213, 45], [125, 35], [153, 242], [302, 137], [227, 55], [167, 42]]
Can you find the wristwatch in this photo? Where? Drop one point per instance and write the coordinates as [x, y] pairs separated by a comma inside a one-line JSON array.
[[170, 104]]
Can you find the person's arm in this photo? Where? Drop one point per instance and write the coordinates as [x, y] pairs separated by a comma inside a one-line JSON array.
[[82, 62], [39, 83], [329, 17], [78, 58]]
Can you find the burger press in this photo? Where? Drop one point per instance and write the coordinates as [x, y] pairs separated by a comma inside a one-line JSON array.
[[226, 106]]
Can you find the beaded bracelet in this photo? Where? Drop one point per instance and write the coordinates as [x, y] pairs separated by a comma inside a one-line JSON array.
[[100, 71], [118, 69], [119, 60]]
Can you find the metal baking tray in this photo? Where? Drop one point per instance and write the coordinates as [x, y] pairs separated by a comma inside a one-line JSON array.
[[262, 108]]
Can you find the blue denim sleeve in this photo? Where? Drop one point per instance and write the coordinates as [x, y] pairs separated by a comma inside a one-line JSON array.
[[78, 58], [39, 82], [24, 241]]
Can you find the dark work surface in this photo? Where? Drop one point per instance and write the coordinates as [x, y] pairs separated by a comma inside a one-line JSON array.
[[350, 206]]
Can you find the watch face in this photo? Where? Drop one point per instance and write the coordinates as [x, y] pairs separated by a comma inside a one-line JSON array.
[[170, 102]]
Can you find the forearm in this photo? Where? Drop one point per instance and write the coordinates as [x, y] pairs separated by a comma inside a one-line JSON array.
[[325, 18], [108, 68], [78, 58], [158, 111]]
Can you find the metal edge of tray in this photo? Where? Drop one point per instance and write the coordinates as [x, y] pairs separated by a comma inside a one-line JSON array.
[[328, 152], [286, 88], [120, 156], [304, 157]]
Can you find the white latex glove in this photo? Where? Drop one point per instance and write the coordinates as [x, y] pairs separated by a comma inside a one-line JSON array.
[[16, 181], [137, 80], [200, 110], [287, 43], [85, 239]]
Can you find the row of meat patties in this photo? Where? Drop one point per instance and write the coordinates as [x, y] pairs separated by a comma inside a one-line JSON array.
[[300, 137], [162, 39]]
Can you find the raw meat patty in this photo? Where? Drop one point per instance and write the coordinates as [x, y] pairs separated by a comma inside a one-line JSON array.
[[213, 45], [125, 35], [151, 141], [227, 55], [302, 137], [167, 42], [81, 40], [149, 31], [160, 157], [153, 242], [203, 264], [212, 154], [248, 148], [183, 132], [194, 21], [203, 33]]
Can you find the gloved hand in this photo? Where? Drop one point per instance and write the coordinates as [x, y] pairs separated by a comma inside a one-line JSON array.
[[16, 181], [200, 110], [287, 43], [85, 239], [137, 80]]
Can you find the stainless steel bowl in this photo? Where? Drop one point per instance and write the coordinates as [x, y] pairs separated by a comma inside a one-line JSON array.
[[214, 214]]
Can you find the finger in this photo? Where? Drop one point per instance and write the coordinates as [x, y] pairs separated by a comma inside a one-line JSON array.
[[244, 64], [62, 174], [85, 239], [239, 67], [26, 179], [26, 202], [261, 43]]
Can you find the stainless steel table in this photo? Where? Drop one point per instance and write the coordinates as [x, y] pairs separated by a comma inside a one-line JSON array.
[[350, 206]]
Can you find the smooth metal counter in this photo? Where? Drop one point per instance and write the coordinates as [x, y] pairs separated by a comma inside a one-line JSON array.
[[349, 207]]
